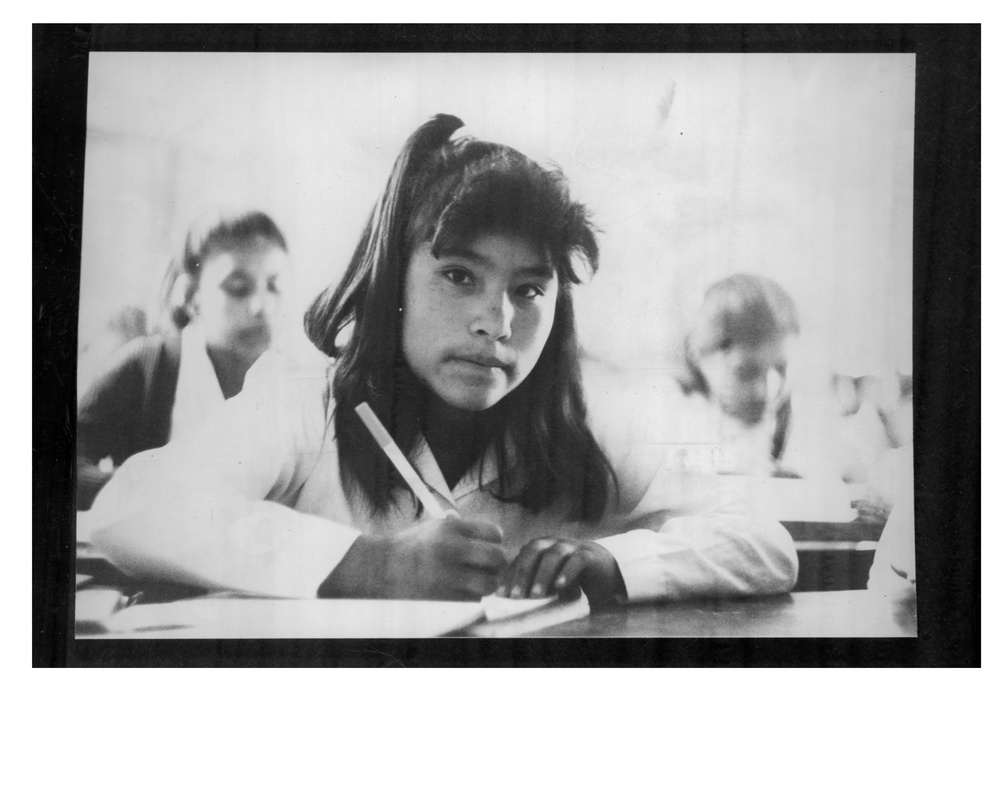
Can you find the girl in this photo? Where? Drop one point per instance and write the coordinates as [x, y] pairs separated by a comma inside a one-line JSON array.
[[454, 321], [737, 359], [221, 297]]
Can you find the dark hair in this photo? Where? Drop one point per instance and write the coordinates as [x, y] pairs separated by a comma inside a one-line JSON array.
[[740, 309], [446, 192], [211, 234]]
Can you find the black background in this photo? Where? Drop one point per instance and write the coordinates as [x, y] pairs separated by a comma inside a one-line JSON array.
[[946, 312]]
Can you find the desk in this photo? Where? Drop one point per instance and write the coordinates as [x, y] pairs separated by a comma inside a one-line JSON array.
[[830, 614], [820, 531], [833, 556], [845, 614]]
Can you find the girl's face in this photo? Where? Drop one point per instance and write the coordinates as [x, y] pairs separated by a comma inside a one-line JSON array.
[[475, 321], [238, 297], [745, 379]]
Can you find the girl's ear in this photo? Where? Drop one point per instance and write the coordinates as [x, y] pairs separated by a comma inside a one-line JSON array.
[[184, 294]]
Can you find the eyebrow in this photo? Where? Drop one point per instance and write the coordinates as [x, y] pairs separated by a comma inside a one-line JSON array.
[[532, 271]]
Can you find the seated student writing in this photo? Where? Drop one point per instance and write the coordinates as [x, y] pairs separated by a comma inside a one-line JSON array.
[[454, 322], [221, 300]]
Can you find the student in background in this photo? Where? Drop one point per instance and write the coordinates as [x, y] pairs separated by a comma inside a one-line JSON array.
[[454, 322], [220, 298], [127, 323], [749, 399], [736, 358], [877, 416], [894, 566]]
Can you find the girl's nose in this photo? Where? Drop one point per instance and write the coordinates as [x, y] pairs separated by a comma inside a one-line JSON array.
[[775, 382], [493, 317], [756, 389], [257, 303]]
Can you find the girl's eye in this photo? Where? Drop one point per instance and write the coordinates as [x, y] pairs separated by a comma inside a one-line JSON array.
[[274, 287], [238, 288], [460, 277], [530, 291]]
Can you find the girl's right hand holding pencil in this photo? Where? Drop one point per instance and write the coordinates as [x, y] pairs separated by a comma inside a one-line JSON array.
[[449, 558]]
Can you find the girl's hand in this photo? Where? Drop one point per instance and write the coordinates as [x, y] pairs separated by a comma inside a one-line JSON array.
[[444, 559], [557, 566], [872, 511]]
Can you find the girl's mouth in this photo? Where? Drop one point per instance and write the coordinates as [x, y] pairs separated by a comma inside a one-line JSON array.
[[485, 361]]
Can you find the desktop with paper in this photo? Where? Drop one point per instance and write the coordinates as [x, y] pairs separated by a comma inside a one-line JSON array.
[[110, 606]]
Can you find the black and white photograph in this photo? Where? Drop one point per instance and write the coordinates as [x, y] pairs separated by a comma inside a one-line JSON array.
[[633, 332], [401, 345]]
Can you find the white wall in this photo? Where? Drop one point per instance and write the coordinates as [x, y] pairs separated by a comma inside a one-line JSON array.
[[696, 166]]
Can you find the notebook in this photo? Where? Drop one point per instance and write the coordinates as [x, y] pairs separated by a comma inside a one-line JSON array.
[[506, 618]]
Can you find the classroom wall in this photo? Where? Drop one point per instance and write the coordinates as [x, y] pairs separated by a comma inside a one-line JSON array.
[[696, 166]]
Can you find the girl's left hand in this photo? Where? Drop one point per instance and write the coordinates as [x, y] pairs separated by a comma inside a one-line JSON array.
[[558, 565]]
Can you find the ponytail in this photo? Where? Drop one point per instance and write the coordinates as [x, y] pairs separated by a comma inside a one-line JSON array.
[[379, 255]]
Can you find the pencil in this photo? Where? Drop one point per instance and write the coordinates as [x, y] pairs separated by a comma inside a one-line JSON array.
[[398, 459]]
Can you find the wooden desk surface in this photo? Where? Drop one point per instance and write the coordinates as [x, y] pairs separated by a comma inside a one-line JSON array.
[[851, 613], [857, 531], [837, 614], [847, 614]]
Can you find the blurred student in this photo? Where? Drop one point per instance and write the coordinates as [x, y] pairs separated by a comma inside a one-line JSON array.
[[877, 422], [454, 321], [127, 323], [221, 298], [736, 358], [894, 566], [763, 416]]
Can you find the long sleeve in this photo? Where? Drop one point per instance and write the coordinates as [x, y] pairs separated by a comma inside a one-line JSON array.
[[713, 544], [216, 510], [106, 418], [109, 407], [126, 410], [680, 535]]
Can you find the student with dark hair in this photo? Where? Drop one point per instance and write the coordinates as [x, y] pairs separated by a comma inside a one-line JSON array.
[[220, 298], [454, 322]]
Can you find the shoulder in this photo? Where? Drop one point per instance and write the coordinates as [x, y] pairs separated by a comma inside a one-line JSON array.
[[282, 368], [289, 388], [145, 353], [145, 347], [632, 405], [128, 367]]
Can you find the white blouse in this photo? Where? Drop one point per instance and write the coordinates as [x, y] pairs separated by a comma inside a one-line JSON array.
[[198, 390], [254, 502]]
